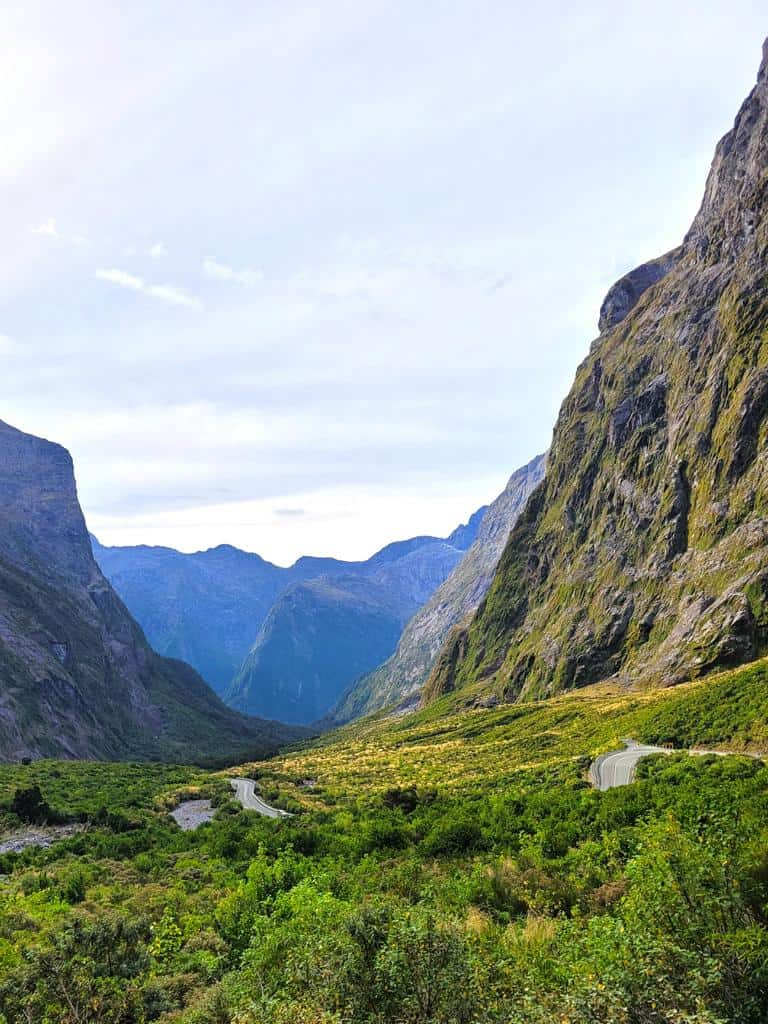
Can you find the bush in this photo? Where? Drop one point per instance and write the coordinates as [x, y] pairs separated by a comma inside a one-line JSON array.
[[453, 836], [29, 806]]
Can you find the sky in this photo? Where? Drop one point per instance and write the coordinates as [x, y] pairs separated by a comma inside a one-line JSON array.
[[308, 277]]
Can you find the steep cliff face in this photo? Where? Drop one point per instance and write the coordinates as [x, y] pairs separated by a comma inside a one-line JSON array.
[[403, 675], [644, 555], [77, 677]]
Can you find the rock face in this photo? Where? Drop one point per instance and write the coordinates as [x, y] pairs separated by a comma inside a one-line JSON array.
[[644, 555], [403, 675], [77, 677], [625, 294], [322, 634]]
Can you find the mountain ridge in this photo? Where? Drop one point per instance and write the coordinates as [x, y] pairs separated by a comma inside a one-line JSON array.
[[402, 675], [323, 633], [208, 607]]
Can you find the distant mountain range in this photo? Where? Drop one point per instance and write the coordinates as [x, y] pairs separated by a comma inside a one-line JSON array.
[[77, 677], [282, 641], [323, 634]]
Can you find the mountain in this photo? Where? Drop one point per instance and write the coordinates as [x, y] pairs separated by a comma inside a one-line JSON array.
[[403, 675], [644, 554], [207, 608], [77, 677], [204, 608], [322, 634]]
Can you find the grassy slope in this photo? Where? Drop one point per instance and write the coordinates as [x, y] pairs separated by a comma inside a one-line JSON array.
[[466, 749]]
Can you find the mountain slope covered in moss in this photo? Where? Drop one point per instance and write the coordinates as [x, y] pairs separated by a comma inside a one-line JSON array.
[[644, 555]]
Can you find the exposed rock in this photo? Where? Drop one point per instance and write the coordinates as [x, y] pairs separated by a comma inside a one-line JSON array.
[[191, 814], [37, 835], [624, 295]]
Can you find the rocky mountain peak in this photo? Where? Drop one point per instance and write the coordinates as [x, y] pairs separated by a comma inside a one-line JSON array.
[[734, 197], [39, 510]]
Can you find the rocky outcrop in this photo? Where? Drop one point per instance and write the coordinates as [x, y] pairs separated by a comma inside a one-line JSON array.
[[77, 677], [644, 554], [404, 674], [625, 294]]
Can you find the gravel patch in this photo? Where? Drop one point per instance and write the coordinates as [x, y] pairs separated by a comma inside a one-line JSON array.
[[41, 835], [192, 813]]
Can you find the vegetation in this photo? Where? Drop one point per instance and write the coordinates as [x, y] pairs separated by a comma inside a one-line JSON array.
[[453, 866]]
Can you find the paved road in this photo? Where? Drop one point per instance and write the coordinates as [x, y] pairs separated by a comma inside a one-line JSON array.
[[245, 792], [618, 767]]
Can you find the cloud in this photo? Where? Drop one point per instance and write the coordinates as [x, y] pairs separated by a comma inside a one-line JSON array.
[[48, 229], [122, 278], [248, 277], [7, 345], [176, 296], [289, 513], [157, 251], [165, 292]]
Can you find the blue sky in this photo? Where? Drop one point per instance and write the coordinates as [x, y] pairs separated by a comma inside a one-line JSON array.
[[308, 277]]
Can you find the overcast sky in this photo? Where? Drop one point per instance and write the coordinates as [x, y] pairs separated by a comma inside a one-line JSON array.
[[309, 277]]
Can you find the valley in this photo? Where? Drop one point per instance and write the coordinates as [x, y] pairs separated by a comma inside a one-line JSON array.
[[517, 774]]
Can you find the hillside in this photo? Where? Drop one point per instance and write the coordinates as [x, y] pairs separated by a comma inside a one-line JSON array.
[[77, 677], [644, 555], [403, 675], [321, 635]]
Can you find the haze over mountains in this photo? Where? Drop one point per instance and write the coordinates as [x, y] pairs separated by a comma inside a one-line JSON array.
[[330, 620], [77, 677]]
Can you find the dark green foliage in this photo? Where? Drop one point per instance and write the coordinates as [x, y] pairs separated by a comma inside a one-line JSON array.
[[409, 895], [89, 975], [29, 806]]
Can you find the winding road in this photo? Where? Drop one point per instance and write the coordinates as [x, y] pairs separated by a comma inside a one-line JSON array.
[[618, 767], [245, 792]]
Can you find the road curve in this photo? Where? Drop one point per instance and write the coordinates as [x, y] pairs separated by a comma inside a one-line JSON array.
[[618, 768], [245, 792]]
